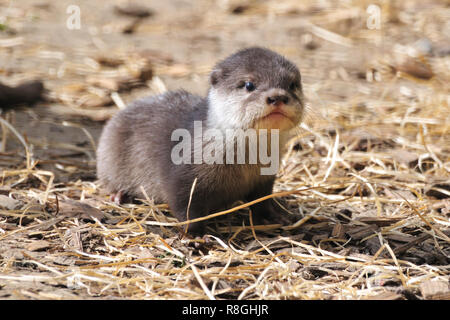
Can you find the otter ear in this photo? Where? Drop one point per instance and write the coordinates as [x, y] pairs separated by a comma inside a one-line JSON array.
[[214, 77]]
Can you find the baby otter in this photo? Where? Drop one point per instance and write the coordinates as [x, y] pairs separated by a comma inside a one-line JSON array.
[[253, 89]]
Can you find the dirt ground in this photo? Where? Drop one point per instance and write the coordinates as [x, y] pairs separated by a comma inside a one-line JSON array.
[[368, 176]]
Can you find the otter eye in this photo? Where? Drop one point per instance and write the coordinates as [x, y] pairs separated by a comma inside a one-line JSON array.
[[249, 86], [293, 86]]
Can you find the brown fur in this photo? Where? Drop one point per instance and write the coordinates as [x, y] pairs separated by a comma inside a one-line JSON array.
[[135, 147]]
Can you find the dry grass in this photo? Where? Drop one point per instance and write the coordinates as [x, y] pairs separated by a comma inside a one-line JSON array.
[[368, 179]]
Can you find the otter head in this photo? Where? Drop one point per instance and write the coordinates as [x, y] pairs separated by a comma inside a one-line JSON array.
[[255, 88]]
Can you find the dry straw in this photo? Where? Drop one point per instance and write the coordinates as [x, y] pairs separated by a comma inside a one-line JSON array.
[[367, 187]]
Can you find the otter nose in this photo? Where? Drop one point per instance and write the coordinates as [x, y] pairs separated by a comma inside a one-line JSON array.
[[276, 100]]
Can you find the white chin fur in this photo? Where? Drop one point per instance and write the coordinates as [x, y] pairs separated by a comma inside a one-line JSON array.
[[225, 111]]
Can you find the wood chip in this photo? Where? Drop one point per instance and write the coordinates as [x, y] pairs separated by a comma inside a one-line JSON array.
[[435, 290], [416, 69], [402, 249], [133, 10], [9, 203], [38, 245], [359, 233], [131, 27], [404, 156], [400, 237], [97, 114], [122, 83], [388, 295], [338, 231], [400, 194], [63, 260], [95, 101], [439, 191], [380, 221], [108, 61], [112, 84], [373, 244], [72, 208], [155, 56]]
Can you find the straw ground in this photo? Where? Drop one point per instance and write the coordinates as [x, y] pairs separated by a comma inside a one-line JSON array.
[[367, 178]]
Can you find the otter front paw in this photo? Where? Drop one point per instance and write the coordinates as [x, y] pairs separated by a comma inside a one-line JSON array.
[[120, 197], [194, 229], [269, 212]]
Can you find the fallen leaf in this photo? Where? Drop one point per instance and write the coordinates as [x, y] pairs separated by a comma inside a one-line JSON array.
[[416, 69]]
